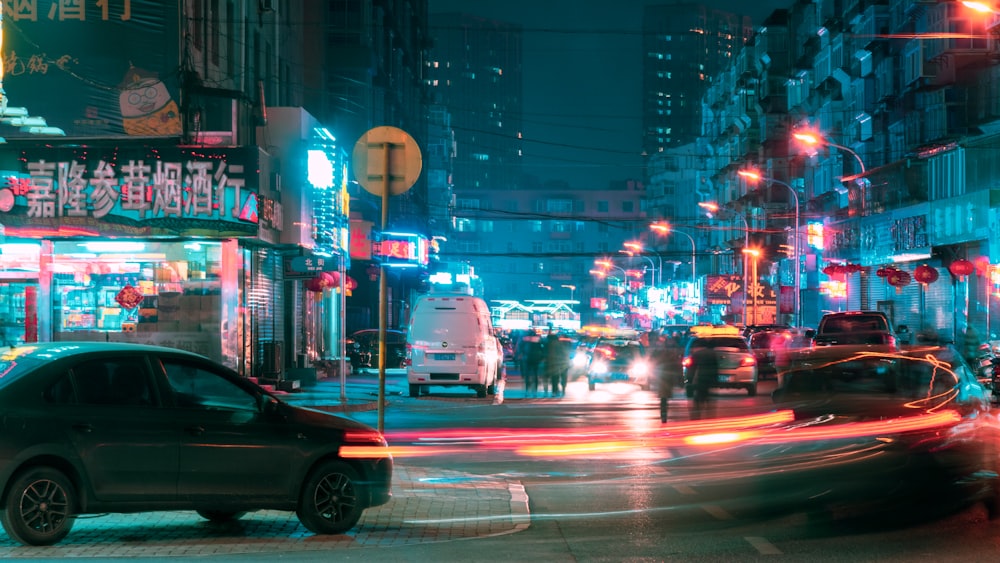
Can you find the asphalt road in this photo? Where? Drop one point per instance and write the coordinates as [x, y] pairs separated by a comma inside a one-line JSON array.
[[577, 478]]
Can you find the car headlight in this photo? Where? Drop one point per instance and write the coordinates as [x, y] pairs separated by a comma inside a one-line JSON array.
[[640, 368], [580, 360], [599, 367]]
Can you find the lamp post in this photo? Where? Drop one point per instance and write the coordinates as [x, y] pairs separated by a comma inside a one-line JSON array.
[[756, 290], [813, 139], [712, 207], [663, 228], [571, 289], [796, 279], [638, 249], [652, 265]]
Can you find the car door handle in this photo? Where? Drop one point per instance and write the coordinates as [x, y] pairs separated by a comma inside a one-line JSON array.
[[83, 427], [195, 430]]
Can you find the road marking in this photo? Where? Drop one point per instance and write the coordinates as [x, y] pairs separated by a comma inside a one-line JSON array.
[[717, 511], [685, 490], [763, 546]]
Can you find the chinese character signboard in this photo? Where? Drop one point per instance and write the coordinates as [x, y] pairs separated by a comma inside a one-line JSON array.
[[92, 68], [139, 191], [402, 249]]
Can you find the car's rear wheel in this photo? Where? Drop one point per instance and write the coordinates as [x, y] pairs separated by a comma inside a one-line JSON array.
[[40, 506], [414, 390], [331, 501], [221, 515]]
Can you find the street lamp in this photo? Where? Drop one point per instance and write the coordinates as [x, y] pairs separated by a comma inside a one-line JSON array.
[[756, 290], [652, 265], [638, 249], [571, 289], [663, 228], [712, 207], [797, 306], [813, 140]]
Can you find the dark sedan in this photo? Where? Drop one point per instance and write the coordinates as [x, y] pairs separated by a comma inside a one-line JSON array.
[[362, 349], [103, 427]]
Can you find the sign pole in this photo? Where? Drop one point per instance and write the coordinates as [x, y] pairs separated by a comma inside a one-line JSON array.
[[383, 288], [391, 176]]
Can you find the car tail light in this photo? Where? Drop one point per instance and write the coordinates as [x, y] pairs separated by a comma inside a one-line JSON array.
[[364, 437], [364, 444], [891, 341], [408, 358], [748, 361]]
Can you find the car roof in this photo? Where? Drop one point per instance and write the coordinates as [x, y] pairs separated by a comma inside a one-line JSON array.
[[60, 350]]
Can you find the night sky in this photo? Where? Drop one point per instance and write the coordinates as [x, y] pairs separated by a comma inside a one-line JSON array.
[[582, 79]]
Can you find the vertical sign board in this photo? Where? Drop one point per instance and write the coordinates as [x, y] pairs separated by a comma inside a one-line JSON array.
[[386, 162]]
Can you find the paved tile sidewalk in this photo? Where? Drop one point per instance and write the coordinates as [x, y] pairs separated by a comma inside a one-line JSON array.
[[427, 506]]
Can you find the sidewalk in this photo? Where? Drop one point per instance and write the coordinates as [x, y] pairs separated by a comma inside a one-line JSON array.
[[428, 505], [360, 391]]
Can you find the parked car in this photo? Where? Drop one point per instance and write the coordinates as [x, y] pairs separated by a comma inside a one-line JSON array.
[[619, 361], [737, 364], [362, 349], [94, 427]]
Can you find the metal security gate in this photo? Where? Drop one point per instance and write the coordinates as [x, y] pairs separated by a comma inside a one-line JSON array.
[[265, 312]]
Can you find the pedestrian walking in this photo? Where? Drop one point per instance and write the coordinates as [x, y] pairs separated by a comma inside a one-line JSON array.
[[531, 354], [667, 361], [705, 363], [557, 363]]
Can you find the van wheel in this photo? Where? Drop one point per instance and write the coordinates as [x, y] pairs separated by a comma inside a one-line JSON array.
[[414, 390], [480, 390]]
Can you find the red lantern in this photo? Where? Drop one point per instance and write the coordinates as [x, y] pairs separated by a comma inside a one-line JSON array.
[[315, 284], [882, 272], [351, 284], [961, 268], [898, 279], [330, 280], [925, 274]]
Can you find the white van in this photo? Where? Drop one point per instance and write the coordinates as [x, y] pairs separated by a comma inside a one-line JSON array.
[[450, 342]]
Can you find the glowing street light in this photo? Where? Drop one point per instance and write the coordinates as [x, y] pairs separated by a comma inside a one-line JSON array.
[[755, 177], [571, 289], [636, 249], [755, 253], [813, 140]]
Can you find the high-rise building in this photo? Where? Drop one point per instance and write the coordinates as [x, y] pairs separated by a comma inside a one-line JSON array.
[[475, 72], [684, 46]]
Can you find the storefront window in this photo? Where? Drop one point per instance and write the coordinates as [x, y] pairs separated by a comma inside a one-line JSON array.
[[18, 293], [176, 288]]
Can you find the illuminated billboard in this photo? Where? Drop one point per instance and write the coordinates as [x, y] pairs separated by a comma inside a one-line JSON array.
[[163, 190], [91, 68]]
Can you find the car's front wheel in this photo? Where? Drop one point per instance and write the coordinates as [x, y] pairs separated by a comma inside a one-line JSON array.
[[40, 506], [331, 501], [221, 515]]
